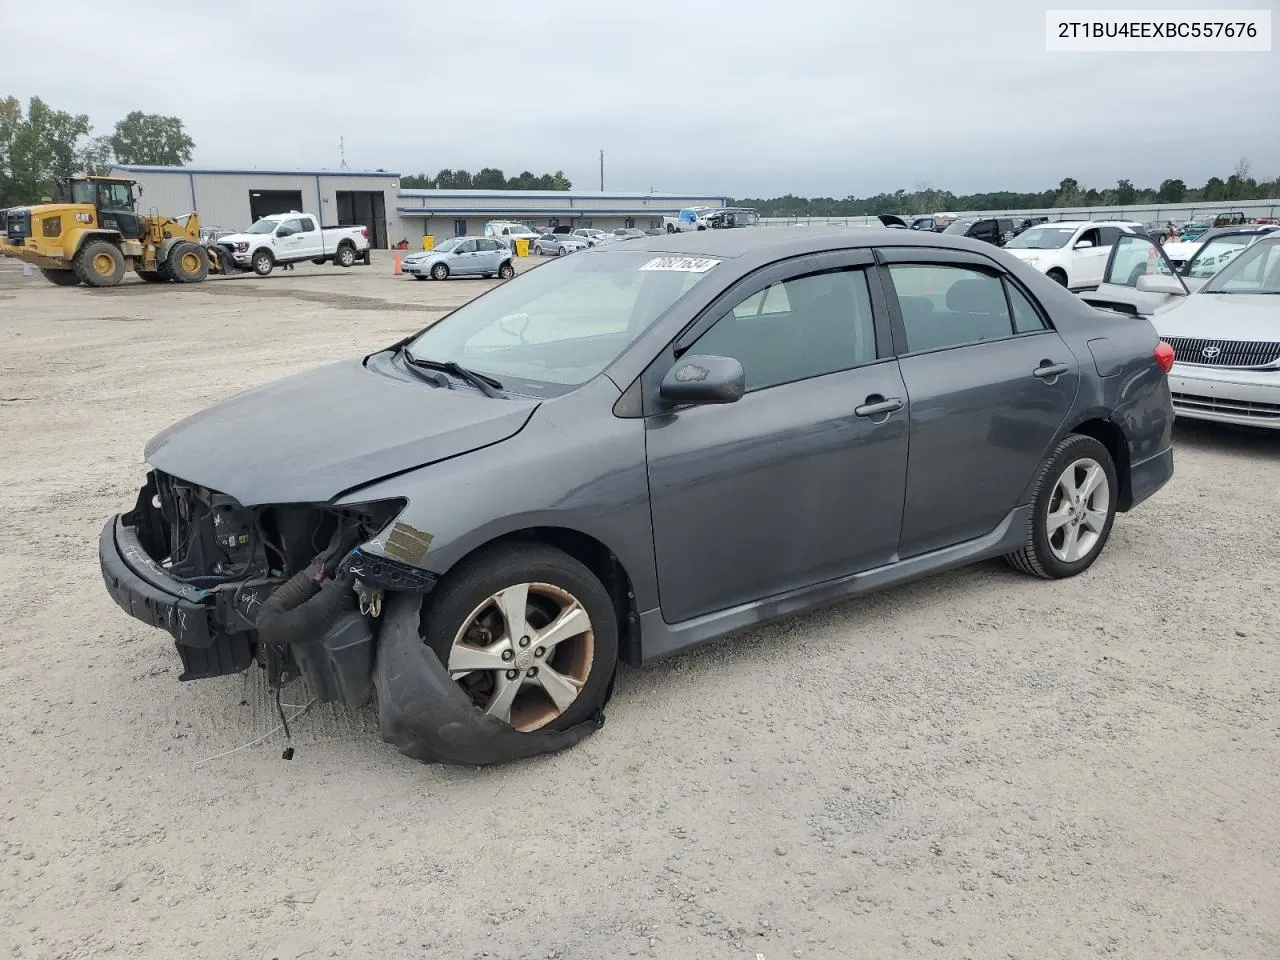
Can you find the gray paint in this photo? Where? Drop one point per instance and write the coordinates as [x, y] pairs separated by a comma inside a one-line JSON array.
[[726, 515]]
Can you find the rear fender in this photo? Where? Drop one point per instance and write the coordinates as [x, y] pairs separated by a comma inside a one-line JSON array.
[[84, 236]]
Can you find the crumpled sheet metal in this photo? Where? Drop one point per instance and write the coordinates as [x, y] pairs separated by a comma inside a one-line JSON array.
[[427, 716]]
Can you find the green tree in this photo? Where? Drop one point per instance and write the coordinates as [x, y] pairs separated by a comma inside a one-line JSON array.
[[1214, 189], [1068, 194], [1171, 191], [462, 180], [489, 179], [1126, 194], [149, 138], [44, 146], [416, 181]]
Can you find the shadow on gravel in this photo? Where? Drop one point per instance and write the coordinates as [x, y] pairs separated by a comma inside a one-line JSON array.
[[1226, 439]]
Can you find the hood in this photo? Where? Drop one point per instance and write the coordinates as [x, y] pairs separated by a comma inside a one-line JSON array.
[[312, 436], [889, 220], [1226, 316], [242, 237]]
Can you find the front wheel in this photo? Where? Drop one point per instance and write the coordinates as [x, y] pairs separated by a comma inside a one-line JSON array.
[[188, 262], [507, 271], [263, 262], [1058, 276], [439, 272], [346, 256], [1072, 510], [529, 633]]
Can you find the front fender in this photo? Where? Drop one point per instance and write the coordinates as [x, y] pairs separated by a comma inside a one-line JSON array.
[[573, 467]]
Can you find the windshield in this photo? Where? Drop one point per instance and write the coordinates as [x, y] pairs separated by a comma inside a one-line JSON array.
[[559, 325], [1217, 253], [1256, 270], [960, 226], [449, 244], [1042, 238], [262, 226]]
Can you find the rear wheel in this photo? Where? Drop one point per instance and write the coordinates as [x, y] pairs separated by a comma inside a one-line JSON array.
[[439, 272], [1057, 276], [346, 256], [188, 263], [670, 228], [507, 270], [529, 633], [100, 264], [61, 278], [1072, 510]]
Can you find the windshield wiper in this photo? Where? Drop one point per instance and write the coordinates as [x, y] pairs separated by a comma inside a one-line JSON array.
[[486, 385]]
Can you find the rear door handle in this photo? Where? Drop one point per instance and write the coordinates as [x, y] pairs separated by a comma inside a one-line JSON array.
[[877, 406], [1047, 370]]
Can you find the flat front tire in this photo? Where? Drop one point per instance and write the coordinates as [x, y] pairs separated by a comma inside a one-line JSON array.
[[1072, 510], [528, 632]]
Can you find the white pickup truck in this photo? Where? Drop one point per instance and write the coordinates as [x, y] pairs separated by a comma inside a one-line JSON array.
[[291, 238]]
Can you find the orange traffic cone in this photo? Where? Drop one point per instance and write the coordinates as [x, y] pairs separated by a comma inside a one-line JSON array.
[[398, 269]]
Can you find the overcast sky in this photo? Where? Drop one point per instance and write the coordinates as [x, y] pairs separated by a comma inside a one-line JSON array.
[[743, 97]]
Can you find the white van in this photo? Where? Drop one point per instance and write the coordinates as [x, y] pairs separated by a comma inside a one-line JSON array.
[[507, 232]]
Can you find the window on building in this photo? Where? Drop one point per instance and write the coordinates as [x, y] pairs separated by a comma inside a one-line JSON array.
[[585, 223], [554, 222], [630, 223], [655, 223], [460, 228]]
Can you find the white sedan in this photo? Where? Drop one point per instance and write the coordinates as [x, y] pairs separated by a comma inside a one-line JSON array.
[[559, 244], [1224, 330]]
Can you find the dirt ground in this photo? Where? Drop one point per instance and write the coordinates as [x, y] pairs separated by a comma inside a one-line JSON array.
[[979, 765]]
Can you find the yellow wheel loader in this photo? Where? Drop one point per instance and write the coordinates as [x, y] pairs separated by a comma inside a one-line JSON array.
[[94, 235]]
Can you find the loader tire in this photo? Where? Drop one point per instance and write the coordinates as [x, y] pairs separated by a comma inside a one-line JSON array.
[[100, 264], [188, 262]]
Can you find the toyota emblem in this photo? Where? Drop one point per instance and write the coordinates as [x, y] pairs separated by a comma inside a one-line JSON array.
[[1210, 352]]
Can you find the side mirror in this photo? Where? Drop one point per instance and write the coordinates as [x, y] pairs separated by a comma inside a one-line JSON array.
[[704, 380], [1084, 245], [1158, 283]]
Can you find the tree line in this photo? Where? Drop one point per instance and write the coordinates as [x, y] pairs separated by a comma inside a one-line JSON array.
[[924, 199], [489, 178], [42, 144]]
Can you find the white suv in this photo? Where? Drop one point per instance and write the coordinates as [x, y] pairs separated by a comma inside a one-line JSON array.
[[1072, 252]]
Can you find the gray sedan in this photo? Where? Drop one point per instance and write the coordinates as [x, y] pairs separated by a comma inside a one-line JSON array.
[[559, 244], [631, 452], [461, 257]]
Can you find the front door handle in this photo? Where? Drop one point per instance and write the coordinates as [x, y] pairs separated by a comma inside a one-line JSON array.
[[877, 406], [1047, 370]]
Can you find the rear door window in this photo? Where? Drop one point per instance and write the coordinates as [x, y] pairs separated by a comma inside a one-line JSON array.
[[947, 305]]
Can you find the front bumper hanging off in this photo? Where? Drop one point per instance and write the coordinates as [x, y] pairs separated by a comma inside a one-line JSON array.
[[421, 711]]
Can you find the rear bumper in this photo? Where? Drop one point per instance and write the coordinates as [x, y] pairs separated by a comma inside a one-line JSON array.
[[142, 589], [1148, 476]]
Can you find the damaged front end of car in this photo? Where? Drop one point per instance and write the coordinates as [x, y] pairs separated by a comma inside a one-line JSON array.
[[235, 585], [300, 590]]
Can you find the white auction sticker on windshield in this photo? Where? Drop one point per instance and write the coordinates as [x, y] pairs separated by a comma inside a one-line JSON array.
[[681, 264]]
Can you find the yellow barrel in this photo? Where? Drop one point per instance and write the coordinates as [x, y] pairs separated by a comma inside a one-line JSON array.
[[428, 243], [522, 247]]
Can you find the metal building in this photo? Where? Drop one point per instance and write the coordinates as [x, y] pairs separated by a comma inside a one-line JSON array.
[[233, 199], [455, 213]]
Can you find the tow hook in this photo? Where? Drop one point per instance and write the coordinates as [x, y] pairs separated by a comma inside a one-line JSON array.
[[370, 599]]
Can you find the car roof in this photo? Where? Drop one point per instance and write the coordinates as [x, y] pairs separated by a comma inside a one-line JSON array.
[[780, 242]]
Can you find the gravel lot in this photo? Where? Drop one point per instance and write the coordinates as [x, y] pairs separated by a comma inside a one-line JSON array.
[[978, 765]]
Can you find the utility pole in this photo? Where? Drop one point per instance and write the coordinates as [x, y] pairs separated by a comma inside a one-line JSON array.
[[602, 171], [342, 153]]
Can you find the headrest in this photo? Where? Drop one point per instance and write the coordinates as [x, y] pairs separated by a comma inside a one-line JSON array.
[[977, 295]]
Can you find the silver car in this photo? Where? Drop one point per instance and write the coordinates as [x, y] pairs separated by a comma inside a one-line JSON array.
[[1224, 329], [461, 257], [559, 244]]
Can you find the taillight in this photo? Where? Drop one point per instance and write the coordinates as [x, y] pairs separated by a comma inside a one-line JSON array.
[[1164, 356], [365, 232]]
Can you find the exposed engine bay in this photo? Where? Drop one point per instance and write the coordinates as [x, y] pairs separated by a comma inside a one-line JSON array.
[[278, 582]]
